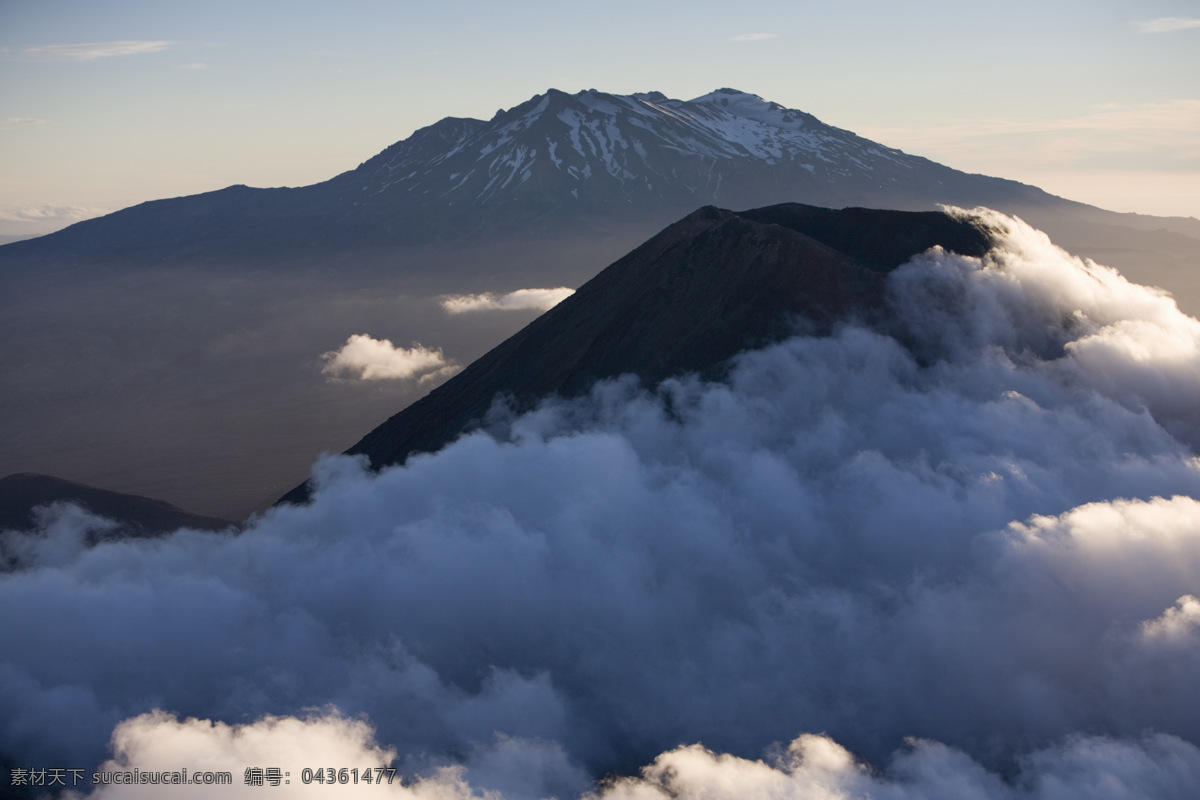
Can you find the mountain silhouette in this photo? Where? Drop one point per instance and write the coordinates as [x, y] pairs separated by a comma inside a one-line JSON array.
[[22, 493]]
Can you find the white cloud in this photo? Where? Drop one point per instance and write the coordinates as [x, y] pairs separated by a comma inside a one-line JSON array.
[[1168, 24], [1169, 131], [92, 50], [45, 213], [378, 359], [1087, 157], [158, 743], [520, 300], [816, 767], [754, 37], [811, 766], [21, 122], [1176, 623]]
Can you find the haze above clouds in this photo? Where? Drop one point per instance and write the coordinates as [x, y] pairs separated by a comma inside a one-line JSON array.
[[975, 527], [197, 98]]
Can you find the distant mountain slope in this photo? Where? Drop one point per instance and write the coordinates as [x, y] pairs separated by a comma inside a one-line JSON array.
[[568, 168], [603, 152], [711, 285], [555, 161], [21, 493]]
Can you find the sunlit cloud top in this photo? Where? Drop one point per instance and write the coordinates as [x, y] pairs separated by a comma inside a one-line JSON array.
[[49, 212], [520, 300], [365, 358]]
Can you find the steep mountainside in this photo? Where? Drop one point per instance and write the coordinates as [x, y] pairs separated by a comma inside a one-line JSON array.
[[709, 286]]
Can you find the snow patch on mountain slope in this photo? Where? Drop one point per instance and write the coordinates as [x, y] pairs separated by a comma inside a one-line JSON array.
[[625, 138]]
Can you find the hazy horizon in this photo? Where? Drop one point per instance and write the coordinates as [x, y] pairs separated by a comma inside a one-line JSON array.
[[103, 106]]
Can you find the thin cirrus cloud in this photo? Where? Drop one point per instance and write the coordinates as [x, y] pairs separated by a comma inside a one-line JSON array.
[[520, 300], [754, 37], [1168, 132], [1168, 24], [21, 122], [365, 358], [44, 213], [90, 51]]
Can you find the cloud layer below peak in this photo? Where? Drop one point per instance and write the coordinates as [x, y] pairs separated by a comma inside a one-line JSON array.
[[962, 546]]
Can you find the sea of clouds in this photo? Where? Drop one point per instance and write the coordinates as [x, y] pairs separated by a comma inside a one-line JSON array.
[[952, 554]]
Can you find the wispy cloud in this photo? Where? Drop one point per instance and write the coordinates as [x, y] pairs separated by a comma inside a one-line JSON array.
[[520, 300], [1143, 158], [1168, 24], [21, 122], [754, 37], [90, 51], [1160, 135], [369, 359], [49, 213]]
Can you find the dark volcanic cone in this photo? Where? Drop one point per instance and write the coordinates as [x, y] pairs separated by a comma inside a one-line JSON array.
[[706, 288]]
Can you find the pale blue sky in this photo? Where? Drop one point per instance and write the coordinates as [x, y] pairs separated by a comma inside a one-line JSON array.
[[1098, 101]]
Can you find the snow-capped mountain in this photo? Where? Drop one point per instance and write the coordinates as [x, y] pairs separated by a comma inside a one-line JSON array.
[[555, 162], [601, 149]]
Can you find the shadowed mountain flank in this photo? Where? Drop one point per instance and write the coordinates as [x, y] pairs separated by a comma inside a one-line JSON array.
[[706, 288], [21, 493]]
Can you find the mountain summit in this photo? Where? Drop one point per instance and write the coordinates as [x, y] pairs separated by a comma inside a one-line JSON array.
[[603, 151]]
